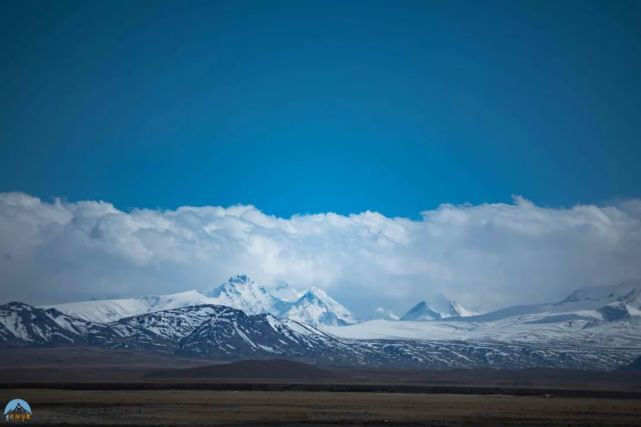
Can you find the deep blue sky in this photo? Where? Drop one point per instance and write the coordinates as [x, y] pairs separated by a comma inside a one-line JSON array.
[[321, 106]]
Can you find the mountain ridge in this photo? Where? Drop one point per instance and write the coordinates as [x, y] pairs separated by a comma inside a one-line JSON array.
[[224, 333], [314, 306], [595, 328]]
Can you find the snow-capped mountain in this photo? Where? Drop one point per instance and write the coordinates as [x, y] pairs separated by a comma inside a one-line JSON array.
[[233, 334], [614, 328], [628, 292], [22, 324], [106, 311], [439, 307], [315, 307], [243, 293], [595, 328], [448, 308], [224, 333], [163, 329], [578, 302], [217, 332], [421, 311], [597, 318]]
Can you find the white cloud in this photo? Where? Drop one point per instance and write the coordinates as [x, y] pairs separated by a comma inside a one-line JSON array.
[[489, 255]]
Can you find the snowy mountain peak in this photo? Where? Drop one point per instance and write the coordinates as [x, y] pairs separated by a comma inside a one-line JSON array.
[[239, 291], [23, 324], [448, 308], [105, 311], [240, 279], [421, 311], [317, 293], [440, 307], [628, 292], [235, 284], [317, 308], [243, 293], [314, 306]]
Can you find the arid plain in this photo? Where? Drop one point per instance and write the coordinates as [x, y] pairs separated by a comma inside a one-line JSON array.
[[251, 408], [88, 386]]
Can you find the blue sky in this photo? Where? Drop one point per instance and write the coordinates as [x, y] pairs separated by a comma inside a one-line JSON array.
[[299, 107]]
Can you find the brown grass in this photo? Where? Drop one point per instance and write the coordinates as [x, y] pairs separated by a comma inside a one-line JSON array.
[[188, 407]]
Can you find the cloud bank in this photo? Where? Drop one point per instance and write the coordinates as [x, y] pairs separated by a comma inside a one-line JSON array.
[[487, 255]]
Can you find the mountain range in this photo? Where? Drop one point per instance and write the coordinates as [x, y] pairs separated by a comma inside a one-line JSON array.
[[223, 334], [601, 316], [597, 328], [313, 306]]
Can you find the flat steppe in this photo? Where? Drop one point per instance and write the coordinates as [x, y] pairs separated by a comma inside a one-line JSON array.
[[200, 408], [90, 386]]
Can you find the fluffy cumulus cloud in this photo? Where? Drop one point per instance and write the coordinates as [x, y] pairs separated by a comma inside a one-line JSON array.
[[486, 255]]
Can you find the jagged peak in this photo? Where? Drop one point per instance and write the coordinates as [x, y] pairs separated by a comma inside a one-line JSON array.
[[317, 292], [240, 279], [236, 284], [421, 311]]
